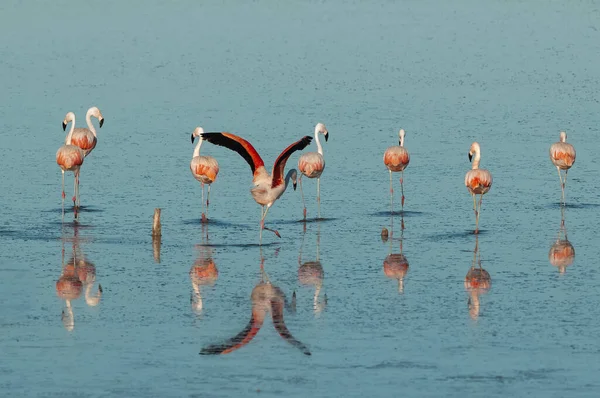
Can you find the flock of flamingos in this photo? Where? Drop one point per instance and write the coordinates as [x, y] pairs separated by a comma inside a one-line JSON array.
[[267, 189]]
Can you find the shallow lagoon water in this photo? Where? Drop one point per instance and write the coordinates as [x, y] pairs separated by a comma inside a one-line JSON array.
[[509, 75]]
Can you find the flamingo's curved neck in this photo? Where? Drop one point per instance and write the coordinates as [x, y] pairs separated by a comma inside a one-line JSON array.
[[287, 178], [88, 119], [319, 147], [197, 149], [70, 135], [476, 159], [402, 140]]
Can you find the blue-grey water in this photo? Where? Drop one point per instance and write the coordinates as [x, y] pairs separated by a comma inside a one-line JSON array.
[[508, 74]]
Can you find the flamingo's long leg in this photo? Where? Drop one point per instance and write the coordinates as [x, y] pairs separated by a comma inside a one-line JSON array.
[[302, 194], [207, 200], [402, 188], [391, 194], [63, 194], [262, 225], [202, 216], [319, 196], [478, 213], [475, 208], [562, 186]]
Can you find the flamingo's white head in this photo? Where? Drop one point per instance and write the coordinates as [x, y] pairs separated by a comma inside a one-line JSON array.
[[95, 112], [401, 134], [474, 151], [196, 133], [70, 117], [320, 128], [563, 136]]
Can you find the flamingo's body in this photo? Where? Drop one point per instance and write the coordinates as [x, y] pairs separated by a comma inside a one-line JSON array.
[[85, 138], [562, 155], [70, 158], [204, 169], [312, 164], [267, 187], [396, 159], [478, 181]]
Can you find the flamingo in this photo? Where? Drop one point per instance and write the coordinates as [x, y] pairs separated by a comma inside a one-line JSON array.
[[85, 138], [562, 155], [312, 164], [204, 169], [396, 158], [478, 181], [267, 187], [70, 158]]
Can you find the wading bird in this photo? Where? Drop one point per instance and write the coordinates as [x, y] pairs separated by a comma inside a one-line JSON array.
[[562, 155], [204, 169], [478, 181], [396, 158], [85, 138], [70, 158], [267, 187], [312, 164]]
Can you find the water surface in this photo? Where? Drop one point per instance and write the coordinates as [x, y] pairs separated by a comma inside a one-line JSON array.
[[510, 75]]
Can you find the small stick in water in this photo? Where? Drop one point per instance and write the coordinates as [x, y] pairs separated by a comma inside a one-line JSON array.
[[156, 228], [384, 234]]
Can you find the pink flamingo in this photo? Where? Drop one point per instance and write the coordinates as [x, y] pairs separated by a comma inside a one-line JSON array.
[[204, 169], [267, 187], [562, 155], [396, 158], [85, 138], [312, 164], [478, 181], [70, 158]]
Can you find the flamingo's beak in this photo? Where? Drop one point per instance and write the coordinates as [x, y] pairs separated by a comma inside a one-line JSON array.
[[470, 156], [294, 185], [192, 138], [64, 126], [101, 122], [326, 136]]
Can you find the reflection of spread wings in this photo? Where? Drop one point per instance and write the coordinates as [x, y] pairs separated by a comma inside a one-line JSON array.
[[238, 341], [251, 330], [277, 314]]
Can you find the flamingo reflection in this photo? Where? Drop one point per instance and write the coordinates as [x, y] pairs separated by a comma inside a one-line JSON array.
[[203, 272], [78, 273], [395, 265], [477, 282], [311, 273], [265, 298], [562, 252]]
